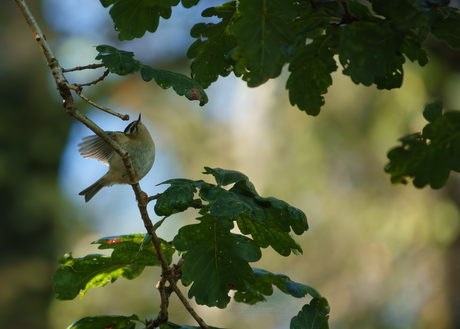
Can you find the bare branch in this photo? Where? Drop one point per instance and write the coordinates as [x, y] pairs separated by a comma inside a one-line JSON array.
[[77, 89], [106, 73], [86, 67]]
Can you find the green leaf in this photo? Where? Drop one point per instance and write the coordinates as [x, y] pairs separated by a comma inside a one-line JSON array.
[[178, 197], [309, 22], [430, 156], [263, 285], [433, 111], [133, 18], [262, 30], [367, 50], [189, 3], [128, 260], [268, 220], [181, 84], [106, 321], [118, 61], [312, 316], [448, 30], [310, 77], [394, 76], [414, 51], [216, 260], [225, 177], [213, 43]]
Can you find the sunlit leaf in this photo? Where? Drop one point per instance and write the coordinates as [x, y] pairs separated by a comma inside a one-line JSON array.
[[106, 321], [128, 259]]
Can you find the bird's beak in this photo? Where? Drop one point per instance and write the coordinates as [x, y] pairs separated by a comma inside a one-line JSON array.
[[139, 120]]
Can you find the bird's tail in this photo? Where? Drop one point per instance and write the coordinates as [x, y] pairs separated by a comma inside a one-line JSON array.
[[91, 191]]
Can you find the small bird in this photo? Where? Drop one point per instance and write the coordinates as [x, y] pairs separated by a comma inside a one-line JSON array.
[[136, 140]]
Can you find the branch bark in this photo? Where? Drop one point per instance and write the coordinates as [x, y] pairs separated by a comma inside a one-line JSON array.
[[64, 89]]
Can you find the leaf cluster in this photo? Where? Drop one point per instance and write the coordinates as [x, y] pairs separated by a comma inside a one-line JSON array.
[[215, 259], [255, 39], [428, 157]]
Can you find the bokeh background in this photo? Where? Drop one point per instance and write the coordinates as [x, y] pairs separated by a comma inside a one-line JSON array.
[[384, 256]]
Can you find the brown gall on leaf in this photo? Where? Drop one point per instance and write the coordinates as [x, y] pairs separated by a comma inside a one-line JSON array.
[[113, 241], [195, 94], [109, 326]]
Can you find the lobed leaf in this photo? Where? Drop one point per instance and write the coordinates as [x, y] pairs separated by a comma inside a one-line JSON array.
[[216, 260], [225, 177], [268, 220], [312, 316], [262, 29], [448, 30], [118, 61], [129, 258], [367, 50], [263, 286], [310, 77], [178, 197], [428, 157], [181, 84], [132, 18], [106, 321], [213, 43]]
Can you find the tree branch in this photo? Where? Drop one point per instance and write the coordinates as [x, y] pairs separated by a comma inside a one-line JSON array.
[[78, 90], [64, 88], [106, 73], [86, 67]]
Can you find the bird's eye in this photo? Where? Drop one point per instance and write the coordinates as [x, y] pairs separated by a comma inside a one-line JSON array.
[[131, 129]]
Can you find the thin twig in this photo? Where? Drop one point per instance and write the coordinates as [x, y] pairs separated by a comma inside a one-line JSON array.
[[106, 73], [78, 89], [64, 88], [86, 67]]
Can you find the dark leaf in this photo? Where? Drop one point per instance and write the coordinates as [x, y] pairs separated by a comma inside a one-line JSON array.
[[118, 61], [213, 44], [181, 84], [225, 177], [178, 197], [215, 260], [262, 29], [310, 77], [430, 156], [263, 286], [368, 50], [312, 316], [448, 30], [133, 18]]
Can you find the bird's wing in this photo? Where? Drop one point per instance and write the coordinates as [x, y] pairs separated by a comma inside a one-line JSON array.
[[93, 147]]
